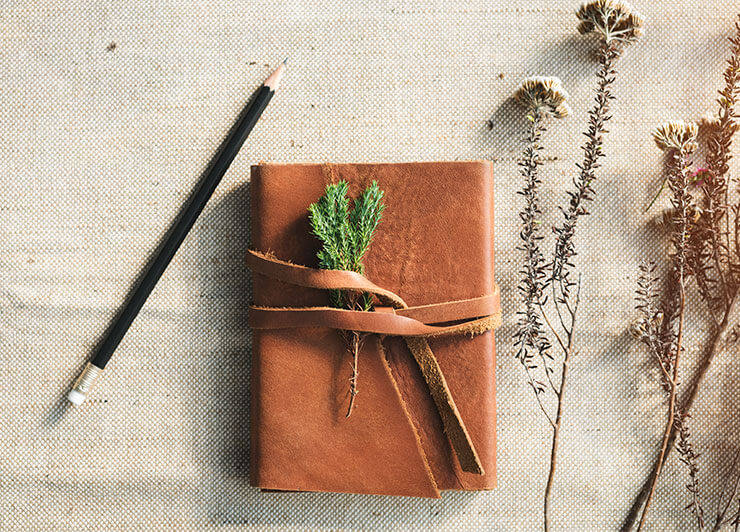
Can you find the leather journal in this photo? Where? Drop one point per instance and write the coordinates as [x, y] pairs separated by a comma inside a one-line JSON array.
[[425, 413]]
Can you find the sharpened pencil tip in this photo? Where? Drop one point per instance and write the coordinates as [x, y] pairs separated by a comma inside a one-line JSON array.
[[285, 61], [273, 80]]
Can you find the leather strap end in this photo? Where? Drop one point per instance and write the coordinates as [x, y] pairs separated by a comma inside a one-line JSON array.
[[453, 424]]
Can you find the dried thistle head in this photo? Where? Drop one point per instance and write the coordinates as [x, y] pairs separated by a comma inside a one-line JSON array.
[[612, 20], [539, 94], [677, 135]]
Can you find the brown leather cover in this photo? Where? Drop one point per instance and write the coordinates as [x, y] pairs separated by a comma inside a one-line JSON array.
[[434, 244]]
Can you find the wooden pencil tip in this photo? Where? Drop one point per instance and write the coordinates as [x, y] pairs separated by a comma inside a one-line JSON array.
[[285, 61], [273, 80]]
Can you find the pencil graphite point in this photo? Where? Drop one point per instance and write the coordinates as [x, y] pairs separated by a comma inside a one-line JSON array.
[[285, 61]]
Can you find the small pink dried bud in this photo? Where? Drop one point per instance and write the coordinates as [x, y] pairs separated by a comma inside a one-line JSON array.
[[700, 176]]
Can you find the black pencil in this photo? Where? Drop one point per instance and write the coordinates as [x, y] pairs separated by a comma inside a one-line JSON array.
[[177, 234]]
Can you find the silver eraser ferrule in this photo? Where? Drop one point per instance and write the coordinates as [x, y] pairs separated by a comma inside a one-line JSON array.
[[84, 383]]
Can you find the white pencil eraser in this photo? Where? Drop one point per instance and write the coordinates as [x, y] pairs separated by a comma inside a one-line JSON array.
[[75, 397]]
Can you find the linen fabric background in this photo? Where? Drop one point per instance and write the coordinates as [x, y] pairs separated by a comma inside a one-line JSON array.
[[110, 113]]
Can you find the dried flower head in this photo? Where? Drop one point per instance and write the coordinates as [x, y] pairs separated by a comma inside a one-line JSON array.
[[677, 135], [544, 95], [610, 19]]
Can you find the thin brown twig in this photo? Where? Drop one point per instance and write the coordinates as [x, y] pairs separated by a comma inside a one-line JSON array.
[[689, 457], [530, 378], [678, 183], [722, 511], [557, 337], [669, 423], [355, 344], [712, 348], [556, 431], [552, 329]]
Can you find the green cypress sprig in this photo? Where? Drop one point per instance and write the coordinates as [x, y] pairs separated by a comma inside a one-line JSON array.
[[346, 235], [363, 221]]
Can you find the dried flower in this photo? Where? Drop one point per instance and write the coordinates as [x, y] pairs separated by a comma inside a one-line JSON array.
[[539, 94], [547, 368], [677, 135], [540, 97], [688, 257], [612, 20]]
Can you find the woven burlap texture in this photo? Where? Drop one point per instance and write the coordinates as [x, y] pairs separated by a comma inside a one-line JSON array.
[[111, 111]]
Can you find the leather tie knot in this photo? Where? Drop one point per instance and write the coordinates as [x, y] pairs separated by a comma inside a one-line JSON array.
[[391, 317]]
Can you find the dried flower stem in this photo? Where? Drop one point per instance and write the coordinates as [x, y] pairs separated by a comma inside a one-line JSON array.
[[593, 151], [689, 457], [718, 160], [615, 24], [715, 262], [556, 430], [678, 182], [543, 97], [663, 450], [565, 300], [530, 336], [719, 157], [714, 346]]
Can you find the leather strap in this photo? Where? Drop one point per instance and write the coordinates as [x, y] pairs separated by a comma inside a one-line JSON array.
[[355, 320], [377, 321], [272, 267], [462, 309], [415, 324], [440, 392]]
